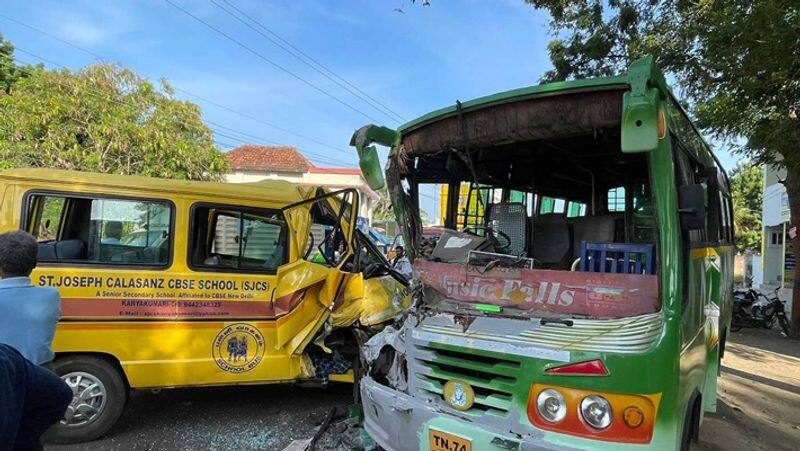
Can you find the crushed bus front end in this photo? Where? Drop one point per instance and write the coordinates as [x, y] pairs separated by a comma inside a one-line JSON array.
[[547, 310]]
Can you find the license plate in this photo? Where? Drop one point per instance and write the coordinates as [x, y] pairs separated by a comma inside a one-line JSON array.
[[442, 441]]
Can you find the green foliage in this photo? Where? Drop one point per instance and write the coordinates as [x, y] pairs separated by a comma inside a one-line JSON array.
[[9, 72], [104, 118], [382, 210], [736, 61], [747, 189]]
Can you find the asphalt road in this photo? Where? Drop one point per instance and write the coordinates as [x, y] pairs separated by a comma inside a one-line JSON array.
[[758, 395], [758, 408], [242, 418]]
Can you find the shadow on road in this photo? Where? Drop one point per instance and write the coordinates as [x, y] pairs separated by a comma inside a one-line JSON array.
[[762, 380]]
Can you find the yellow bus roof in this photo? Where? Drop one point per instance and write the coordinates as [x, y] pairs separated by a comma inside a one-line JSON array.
[[276, 191]]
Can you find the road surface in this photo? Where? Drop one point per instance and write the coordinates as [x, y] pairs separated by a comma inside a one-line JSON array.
[[758, 408]]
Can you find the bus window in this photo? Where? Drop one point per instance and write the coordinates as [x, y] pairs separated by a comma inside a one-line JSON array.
[[616, 199], [51, 218], [234, 238], [552, 205], [576, 209], [103, 231]]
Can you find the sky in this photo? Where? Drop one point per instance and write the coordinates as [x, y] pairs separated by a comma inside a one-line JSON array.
[[410, 58]]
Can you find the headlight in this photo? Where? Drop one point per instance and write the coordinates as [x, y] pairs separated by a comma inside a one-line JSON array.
[[596, 411], [551, 405]]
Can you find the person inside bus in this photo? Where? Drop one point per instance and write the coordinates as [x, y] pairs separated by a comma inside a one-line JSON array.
[[401, 262], [112, 233]]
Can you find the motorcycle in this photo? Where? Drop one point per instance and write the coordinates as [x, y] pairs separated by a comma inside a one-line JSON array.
[[752, 308]]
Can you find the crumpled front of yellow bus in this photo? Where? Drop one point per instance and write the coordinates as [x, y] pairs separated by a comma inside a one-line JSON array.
[[383, 300]]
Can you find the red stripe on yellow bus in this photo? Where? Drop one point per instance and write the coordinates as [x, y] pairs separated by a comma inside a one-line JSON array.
[[117, 325], [178, 309]]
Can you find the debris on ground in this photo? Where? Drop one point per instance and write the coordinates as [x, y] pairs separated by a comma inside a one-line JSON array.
[[341, 430]]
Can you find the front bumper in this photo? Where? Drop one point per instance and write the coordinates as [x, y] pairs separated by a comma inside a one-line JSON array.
[[399, 422]]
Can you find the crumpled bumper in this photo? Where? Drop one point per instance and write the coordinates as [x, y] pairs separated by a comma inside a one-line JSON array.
[[399, 422]]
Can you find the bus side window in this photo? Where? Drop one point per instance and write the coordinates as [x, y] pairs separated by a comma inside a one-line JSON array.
[[616, 199], [50, 222], [100, 230], [687, 173], [237, 239]]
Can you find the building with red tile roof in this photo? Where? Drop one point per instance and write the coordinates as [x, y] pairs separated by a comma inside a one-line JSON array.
[[269, 159], [252, 163]]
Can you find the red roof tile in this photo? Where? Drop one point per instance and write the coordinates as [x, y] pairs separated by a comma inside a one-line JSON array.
[[268, 159], [345, 171]]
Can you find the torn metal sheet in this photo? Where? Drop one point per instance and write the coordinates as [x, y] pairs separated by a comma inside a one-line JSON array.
[[599, 295]]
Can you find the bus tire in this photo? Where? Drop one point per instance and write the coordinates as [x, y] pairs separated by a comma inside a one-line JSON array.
[[104, 392], [691, 423]]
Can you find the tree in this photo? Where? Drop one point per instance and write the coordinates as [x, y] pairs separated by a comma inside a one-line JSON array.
[[104, 118], [382, 210], [737, 62], [747, 190], [9, 72]]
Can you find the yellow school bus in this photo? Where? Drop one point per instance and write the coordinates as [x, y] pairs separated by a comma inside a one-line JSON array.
[[168, 283]]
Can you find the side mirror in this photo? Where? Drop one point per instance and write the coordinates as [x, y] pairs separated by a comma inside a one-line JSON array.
[[371, 167], [692, 206], [368, 155]]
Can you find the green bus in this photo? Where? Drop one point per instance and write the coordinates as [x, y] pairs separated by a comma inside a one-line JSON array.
[[579, 292]]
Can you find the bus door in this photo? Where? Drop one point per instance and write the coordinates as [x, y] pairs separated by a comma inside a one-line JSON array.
[[322, 232], [700, 306]]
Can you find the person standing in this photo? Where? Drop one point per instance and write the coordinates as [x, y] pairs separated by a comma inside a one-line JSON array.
[[28, 314], [32, 398]]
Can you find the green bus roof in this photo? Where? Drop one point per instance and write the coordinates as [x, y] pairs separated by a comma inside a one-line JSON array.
[[514, 95]]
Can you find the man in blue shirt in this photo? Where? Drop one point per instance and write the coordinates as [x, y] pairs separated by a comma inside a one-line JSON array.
[[32, 398], [28, 314]]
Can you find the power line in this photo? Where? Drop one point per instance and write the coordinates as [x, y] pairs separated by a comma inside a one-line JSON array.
[[269, 61], [38, 30], [102, 96], [196, 96], [309, 61], [310, 155], [260, 121]]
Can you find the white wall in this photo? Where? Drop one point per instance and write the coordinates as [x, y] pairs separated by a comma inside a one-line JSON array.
[[250, 177]]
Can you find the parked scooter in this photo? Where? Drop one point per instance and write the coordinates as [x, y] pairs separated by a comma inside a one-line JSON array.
[[752, 308]]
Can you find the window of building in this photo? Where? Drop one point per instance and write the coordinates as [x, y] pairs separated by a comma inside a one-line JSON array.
[[100, 230], [237, 239]]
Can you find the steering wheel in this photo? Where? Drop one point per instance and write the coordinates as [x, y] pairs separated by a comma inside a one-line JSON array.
[[493, 236]]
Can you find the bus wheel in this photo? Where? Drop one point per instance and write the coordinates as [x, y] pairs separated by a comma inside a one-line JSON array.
[[99, 395], [691, 424]]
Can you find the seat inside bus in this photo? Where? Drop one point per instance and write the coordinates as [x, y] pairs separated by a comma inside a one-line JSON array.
[[539, 179]]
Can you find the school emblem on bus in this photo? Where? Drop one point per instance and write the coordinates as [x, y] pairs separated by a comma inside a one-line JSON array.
[[459, 394], [238, 348]]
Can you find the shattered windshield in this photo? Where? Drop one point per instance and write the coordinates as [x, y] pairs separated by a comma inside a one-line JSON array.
[[540, 212]]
